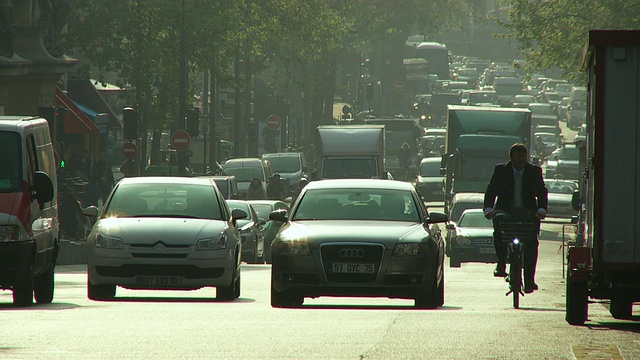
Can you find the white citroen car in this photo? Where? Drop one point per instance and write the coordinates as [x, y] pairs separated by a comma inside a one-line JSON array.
[[169, 233]]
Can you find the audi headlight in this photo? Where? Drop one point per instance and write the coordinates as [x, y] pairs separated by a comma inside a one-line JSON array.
[[295, 247], [9, 233], [108, 242], [409, 249], [463, 240], [215, 243]]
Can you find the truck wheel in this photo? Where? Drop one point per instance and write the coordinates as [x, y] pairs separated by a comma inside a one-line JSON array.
[[621, 308], [23, 291], [577, 305], [43, 286]]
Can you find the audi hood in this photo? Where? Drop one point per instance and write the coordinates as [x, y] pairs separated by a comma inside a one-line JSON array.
[[323, 231]]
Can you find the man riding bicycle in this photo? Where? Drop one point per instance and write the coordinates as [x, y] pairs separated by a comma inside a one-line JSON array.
[[519, 189]]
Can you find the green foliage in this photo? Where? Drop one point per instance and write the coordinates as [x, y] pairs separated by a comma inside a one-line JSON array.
[[552, 33]]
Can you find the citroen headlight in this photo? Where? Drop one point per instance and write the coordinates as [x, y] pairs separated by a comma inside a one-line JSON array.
[[409, 249], [108, 242], [214, 243], [9, 233], [295, 247], [463, 240]]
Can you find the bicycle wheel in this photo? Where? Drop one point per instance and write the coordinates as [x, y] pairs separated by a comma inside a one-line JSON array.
[[515, 279]]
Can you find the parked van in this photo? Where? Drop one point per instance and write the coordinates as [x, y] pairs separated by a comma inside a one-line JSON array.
[[29, 224]]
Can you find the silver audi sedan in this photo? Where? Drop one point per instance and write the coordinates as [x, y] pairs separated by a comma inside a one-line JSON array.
[[358, 238], [172, 233]]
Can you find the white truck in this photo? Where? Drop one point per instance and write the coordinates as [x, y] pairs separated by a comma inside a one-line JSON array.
[[350, 152], [604, 263]]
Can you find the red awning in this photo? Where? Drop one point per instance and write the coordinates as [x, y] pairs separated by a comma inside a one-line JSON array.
[[75, 121]]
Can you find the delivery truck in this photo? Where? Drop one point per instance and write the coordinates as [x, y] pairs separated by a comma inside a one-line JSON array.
[[350, 152], [606, 263]]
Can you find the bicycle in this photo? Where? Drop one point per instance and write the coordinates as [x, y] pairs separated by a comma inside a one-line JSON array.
[[516, 231]]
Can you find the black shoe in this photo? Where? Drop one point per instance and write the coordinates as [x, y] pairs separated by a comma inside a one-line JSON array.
[[529, 288], [500, 270]]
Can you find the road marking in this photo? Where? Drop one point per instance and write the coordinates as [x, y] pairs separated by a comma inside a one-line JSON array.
[[596, 352]]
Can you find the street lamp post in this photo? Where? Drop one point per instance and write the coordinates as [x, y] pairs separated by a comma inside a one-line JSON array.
[[182, 91]]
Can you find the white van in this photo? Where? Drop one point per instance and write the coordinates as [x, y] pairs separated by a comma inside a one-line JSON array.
[[28, 209]]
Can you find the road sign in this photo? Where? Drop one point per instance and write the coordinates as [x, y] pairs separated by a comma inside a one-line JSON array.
[[129, 150], [181, 140], [273, 122]]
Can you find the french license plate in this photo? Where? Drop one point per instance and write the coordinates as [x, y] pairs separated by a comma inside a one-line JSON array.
[[487, 250], [159, 281], [350, 268]]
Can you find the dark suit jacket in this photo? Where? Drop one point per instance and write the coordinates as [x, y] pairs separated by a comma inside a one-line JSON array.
[[534, 193]]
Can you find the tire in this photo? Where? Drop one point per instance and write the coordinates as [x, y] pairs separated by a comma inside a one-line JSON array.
[[285, 299], [515, 282], [454, 262], [100, 292], [621, 308], [43, 286], [231, 292], [23, 291], [577, 305], [431, 299]]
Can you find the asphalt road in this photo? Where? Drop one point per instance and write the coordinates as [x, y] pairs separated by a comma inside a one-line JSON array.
[[476, 322]]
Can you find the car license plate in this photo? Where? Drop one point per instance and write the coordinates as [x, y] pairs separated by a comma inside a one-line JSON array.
[[350, 268], [487, 250], [159, 281]]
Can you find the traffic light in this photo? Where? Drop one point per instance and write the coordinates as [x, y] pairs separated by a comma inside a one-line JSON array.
[[130, 123], [193, 121]]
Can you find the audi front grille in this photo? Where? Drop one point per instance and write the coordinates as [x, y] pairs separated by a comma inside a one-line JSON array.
[[351, 263]]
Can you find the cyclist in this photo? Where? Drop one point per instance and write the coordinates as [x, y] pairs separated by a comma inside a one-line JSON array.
[[519, 189]]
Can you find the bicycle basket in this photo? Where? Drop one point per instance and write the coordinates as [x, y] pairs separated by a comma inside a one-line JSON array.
[[521, 230]]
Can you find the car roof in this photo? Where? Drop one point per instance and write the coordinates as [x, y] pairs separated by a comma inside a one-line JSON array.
[[284, 154], [479, 197], [242, 161], [359, 184], [431, 159], [472, 211], [219, 177], [166, 180]]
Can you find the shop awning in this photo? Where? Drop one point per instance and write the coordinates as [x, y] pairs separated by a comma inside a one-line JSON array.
[[84, 92], [75, 121]]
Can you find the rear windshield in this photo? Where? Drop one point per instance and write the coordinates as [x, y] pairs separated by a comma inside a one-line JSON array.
[[245, 174], [11, 164], [284, 164]]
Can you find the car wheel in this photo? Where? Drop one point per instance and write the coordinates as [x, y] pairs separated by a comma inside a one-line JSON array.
[[231, 292], [433, 298], [454, 261], [43, 286], [23, 291], [285, 299], [100, 292]]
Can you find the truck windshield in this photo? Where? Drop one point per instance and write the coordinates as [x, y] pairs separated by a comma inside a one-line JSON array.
[[11, 164], [349, 168]]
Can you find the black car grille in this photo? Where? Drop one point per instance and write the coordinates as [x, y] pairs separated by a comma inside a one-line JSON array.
[[158, 256], [186, 271], [370, 254]]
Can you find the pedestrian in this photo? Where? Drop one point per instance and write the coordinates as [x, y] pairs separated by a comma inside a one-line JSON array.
[[275, 189], [255, 190], [518, 189], [301, 184]]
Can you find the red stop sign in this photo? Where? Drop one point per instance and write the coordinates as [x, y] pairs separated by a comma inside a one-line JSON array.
[[273, 122], [181, 140], [129, 150]]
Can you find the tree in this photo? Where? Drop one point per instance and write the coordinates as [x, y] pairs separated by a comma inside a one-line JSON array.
[[552, 33]]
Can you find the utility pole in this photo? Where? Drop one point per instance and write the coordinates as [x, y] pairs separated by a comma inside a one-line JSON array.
[[213, 114]]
